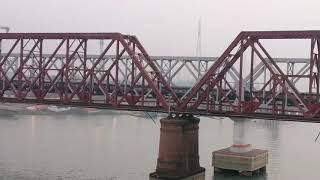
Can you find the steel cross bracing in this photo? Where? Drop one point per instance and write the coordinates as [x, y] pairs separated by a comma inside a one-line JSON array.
[[174, 69], [278, 97], [69, 69], [73, 78]]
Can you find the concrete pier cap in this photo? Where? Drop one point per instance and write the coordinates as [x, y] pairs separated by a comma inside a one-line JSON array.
[[240, 156], [179, 149]]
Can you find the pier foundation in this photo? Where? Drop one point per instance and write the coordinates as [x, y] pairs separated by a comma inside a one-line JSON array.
[[178, 150], [240, 156]]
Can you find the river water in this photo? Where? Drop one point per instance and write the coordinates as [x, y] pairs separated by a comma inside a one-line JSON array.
[[113, 145]]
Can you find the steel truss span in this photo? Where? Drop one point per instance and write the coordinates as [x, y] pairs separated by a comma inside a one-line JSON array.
[[70, 69]]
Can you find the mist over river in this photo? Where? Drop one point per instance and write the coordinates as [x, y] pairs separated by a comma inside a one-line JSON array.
[[115, 145]]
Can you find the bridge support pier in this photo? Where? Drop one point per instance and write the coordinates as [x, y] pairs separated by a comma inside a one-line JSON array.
[[240, 156], [178, 150]]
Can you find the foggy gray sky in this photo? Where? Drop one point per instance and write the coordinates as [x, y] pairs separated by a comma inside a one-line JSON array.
[[165, 27]]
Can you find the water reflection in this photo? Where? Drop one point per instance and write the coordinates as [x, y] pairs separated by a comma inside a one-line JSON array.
[[273, 139], [74, 146], [235, 176], [114, 123], [33, 126]]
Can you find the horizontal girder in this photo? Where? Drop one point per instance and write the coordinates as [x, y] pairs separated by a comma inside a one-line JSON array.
[[282, 34], [178, 58], [63, 36]]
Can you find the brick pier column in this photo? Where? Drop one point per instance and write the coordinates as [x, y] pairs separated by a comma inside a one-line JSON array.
[[179, 149]]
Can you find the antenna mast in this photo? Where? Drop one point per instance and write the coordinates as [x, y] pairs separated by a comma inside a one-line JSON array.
[[199, 50]]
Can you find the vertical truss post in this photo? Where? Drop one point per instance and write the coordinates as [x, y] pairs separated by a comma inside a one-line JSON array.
[[108, 89], [318, 71], [199, 69], [86, 71], [207, 95], [217, 102], [126, 75], [117, 73], [132, 65], [312, 61], [290, 71], [142, 91], [225, 82], [85, 58], [64, 74], [1, 74], [274, 89], [170, 73], [251, 72], [158, 87], [283, 92], [41, 71], [2, 66], [240, 77], [91, 71], [264, 82], [19, 69], [218, 96]]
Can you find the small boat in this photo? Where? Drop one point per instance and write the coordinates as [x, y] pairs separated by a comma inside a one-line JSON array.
[[37, 107], [91, 110], [59, 108]]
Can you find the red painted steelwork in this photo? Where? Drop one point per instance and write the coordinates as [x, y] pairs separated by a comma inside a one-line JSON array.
[[278, 79], [75, 47], [103, 83]]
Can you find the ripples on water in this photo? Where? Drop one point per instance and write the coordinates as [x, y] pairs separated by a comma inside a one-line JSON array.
[[114, 145]]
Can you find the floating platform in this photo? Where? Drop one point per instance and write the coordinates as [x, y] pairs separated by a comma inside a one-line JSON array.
[[246, 163]]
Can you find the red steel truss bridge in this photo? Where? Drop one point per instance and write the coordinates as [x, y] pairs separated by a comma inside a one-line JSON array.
[[245, 81]]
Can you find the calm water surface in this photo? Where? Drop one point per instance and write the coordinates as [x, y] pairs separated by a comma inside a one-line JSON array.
[[118, 146]]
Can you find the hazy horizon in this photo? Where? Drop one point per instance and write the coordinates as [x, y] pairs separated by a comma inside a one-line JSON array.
[[166, 27]]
